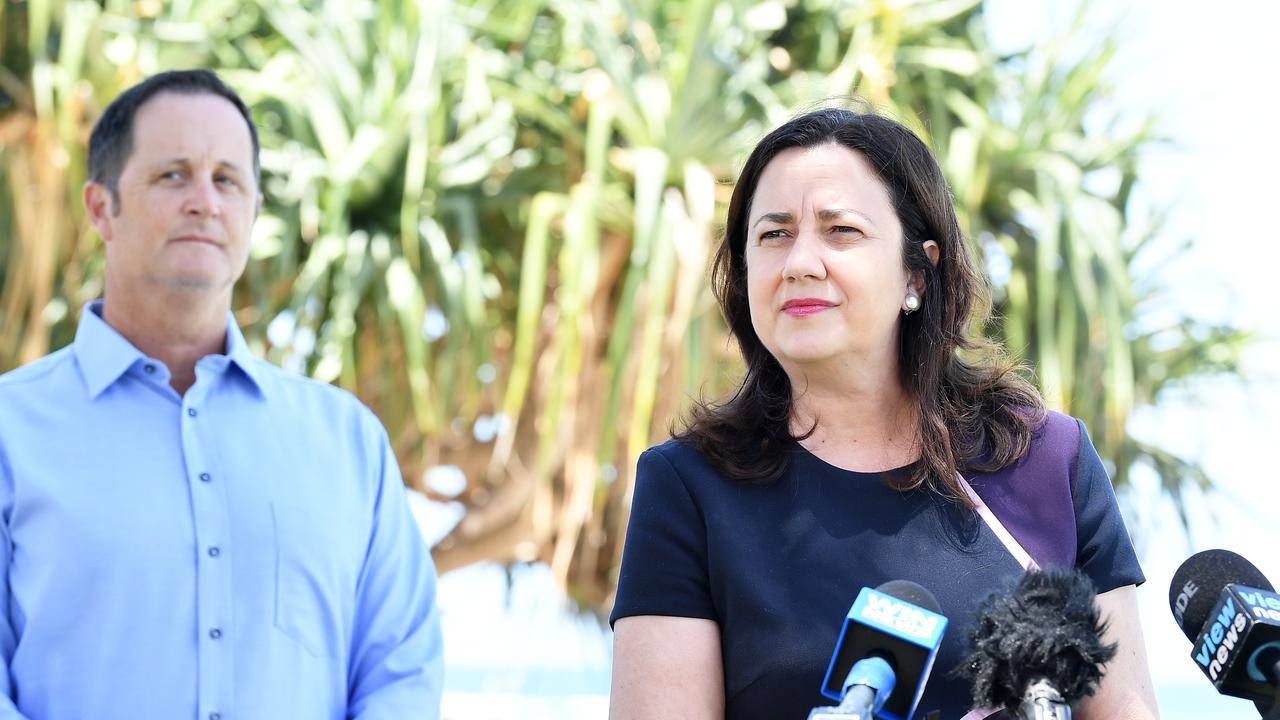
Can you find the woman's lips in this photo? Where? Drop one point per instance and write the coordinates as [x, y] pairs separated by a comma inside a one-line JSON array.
[[805, 306]]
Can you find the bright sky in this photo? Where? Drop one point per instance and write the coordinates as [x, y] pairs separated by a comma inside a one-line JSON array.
[[1208, 71]]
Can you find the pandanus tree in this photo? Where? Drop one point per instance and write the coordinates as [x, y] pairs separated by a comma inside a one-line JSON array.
[[492, 220]]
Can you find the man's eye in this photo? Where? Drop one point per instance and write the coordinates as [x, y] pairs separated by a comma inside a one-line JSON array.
[[773, 235]]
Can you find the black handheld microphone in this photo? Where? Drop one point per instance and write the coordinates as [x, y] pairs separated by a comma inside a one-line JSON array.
[[1231, 614], [1039, 649], [884, 654]]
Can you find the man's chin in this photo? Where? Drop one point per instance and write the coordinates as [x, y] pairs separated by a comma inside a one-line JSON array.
[[195, 285], [195, 282]]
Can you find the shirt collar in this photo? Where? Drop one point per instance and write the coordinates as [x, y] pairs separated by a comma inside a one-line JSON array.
[[104, 354], [241, 357]]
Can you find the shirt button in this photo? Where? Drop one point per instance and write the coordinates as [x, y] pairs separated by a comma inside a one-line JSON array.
[[192, 412], [205, 477], [149, 368], [215, 716], [215, 633], [214, 551]]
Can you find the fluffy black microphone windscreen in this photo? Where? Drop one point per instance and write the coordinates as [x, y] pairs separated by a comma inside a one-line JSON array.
[[1047, 628], [1198, 583]]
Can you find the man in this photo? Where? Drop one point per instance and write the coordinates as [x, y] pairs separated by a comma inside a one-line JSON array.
[[188, 531]]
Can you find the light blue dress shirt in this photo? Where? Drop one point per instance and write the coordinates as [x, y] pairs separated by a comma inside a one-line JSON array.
[[242, 551]]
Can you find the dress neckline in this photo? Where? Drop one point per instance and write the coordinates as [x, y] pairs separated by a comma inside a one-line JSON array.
[[803, 452]]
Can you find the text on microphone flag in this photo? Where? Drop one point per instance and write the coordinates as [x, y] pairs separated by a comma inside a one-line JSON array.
[[1242, 625], [902, 619]]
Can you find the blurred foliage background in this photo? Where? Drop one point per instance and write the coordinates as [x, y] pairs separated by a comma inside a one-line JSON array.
[[492, 220]]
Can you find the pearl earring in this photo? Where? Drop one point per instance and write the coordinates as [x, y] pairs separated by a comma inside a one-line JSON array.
[[911, 304]]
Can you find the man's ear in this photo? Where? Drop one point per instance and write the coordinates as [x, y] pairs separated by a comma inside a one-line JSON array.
[[257, 207], [99, 206]]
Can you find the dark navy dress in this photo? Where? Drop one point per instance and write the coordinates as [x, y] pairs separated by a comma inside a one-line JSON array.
[[777, 566]]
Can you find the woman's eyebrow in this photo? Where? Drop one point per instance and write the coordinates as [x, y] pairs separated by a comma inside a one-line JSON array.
[[836, 213], [781, 218]]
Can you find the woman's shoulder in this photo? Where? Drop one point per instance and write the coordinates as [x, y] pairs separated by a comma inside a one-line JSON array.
[[1055, 442], [1056, 434], [1033, 495], [676, 449], [674, 484], [680, 463], [677, 456], [1053, 451]]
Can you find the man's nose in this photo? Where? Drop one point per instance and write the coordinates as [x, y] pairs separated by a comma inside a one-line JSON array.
[[202, 198]]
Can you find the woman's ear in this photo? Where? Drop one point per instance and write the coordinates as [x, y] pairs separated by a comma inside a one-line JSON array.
[[933, 251], [917, 277]]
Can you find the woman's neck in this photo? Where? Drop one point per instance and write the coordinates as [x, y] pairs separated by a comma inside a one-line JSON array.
[[862, 422]]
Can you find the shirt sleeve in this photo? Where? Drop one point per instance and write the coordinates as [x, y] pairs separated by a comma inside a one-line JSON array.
[[1103, 548], [396, 668], [664, 559], [8, 638]]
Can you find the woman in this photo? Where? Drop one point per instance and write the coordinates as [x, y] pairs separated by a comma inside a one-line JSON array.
[[871, 439]]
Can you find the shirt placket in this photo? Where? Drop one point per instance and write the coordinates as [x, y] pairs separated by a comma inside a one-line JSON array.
[[214, 631]]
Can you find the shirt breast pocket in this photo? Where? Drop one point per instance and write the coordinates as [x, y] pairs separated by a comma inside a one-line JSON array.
[[308, 579]]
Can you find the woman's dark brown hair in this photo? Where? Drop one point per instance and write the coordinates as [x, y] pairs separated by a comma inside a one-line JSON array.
[[976, 413]]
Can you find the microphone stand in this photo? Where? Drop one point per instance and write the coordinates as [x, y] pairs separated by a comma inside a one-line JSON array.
[[1042, 701]]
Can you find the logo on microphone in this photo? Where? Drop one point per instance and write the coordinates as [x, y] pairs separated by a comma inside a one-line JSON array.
[[902, 618], [1184, 598], [1220, 640], [1264, 605]]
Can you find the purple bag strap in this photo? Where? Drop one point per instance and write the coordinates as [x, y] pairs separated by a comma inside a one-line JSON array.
[[1015, 549], [1006, 538]]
